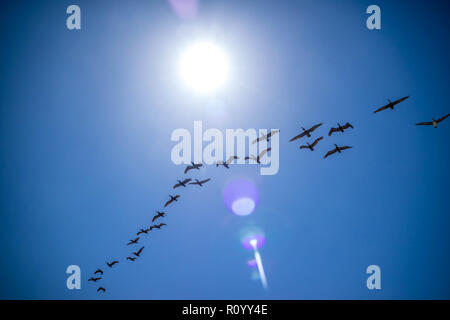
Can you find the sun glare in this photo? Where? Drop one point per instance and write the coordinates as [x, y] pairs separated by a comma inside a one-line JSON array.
[[204, 67]]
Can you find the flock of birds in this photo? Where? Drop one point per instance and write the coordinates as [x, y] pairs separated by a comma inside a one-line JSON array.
[[98, 274], [196, 166]]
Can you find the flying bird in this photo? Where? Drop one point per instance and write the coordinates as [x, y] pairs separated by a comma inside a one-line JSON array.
[[226, 163], [172, 199], [133, 241], [181, 183], [131, 258], [159, 215], [110, 264], [312, 145], [433, 123], [139, 252], [391, 104], [141, 231], [337, 149], [306, 132], [94, 279], [200, 183], [101, 289], [266, 136], [98, 271], [158, 226], [340, 128], [193, 166], [259, 156]]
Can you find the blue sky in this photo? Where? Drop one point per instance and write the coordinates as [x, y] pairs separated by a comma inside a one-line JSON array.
[[86, 119]]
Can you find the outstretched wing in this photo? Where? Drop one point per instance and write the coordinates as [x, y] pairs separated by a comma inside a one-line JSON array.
[[304, 147], [186, 180], [317, 141], [204, 181], [188, 168], [332, 130], [264, 152], [329, 153], [315, 127], [230, 159], [443, 118], [382, 108], [168, 202], [298, 136], [345, 147], [399, 100], [272, 133], [177, 185], [264, 136], [424, 124], [347, 125]]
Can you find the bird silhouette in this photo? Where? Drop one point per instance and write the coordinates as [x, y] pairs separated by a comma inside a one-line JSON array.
[[111, 264], [131, 258], [159, 215], [306, 132], [94, 279], [172, 199], [139, 252], [181, 183], [200, 183], [141, 231], [391, 104], [337, 149], [227, 163], [193, 166], [133, 241], [311, 146], [266, 136], [99, 271], [259, 156], [158, 226], [340, 128], [101, 289], [433, 123]]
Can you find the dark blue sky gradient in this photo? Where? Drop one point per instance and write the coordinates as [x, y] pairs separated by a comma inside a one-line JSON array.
[[85, 125]]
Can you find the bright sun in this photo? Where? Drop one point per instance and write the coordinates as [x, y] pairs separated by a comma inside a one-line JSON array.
[[204, 67]]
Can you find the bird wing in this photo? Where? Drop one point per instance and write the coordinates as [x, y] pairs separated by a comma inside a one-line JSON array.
[[304, 147], [264, 136], [168, 202], [329, 153], [347, 125], [195, 182], [332, 130], [424, 124], [345, 147], [443, 118], [188, 168], [399, 100], [298, 136], [177, 185], [315, 127], [186, 180], [382, 108], [317, 141], [205, 181], [140, 250], [273, 132], [264, 152], [231, 158]]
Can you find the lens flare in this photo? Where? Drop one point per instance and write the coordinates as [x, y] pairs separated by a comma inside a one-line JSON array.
[[241, 197], [185, 9]]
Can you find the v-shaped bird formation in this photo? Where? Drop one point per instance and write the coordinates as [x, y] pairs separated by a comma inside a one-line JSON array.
[[184, 183]]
